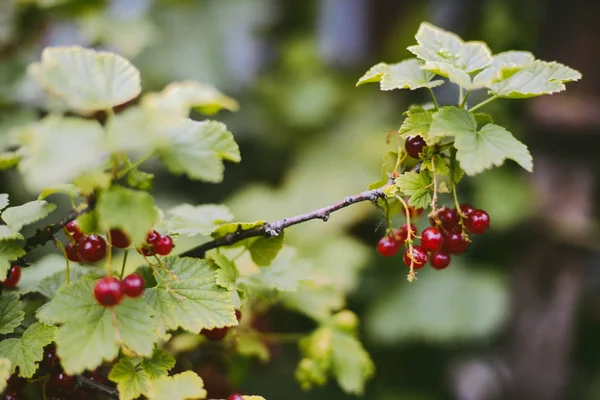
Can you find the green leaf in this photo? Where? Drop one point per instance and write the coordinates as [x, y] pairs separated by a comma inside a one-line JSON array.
[[184, 386], [28, 213], [9, 250], [227, 274], [11, 313], [352, 365], [158, 364], [9, 159], [503, 66], [131, 210], [285, 271], [139, 179], [49, 286], [41, 269], [186, 219], [250, 345], [45, 144], [192, 300], [131, 381], [178, 97], [264, 249], [535, 79], [315, 300], [416, 185], [28, 350], [3, 201], [232, 227], [66, 188], [407, 74], [479, 150], [387, 167], [87, 80], [93, 181], [99, 331], [8, 233], [438, 45], [198, 149], [417, 123], [5, 372]]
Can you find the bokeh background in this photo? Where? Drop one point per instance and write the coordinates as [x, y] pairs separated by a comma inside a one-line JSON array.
[[518, 317]]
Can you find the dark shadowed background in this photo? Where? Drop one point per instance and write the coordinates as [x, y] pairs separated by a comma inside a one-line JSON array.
[[518, 317]]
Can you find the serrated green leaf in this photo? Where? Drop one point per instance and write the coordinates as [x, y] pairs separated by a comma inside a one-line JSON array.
[[198, 149], [100, 331], [28, 350], [87, 80], [93, 181], [3, 201], [5, 372], [407, 74], [285, 271], [192, 300], [40, 270], [131, 210], [88, 222], [479, 150], [45, 144], [8, 233], [139, 179], [439, 165], [11, 313], [483, 118], [186, 219], [227, 274], [131, 381], [179, 97], [233, 227], [49, 286], [264, 249], [535, 79], [250, 345], [67, 188], [417, 123], [503, 65], [351, 365], [158, 364], [184, 386], [28, 213], [9, 250], [9, 159], [417, 186]]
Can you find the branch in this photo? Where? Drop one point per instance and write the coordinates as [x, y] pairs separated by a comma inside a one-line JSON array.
[[270, 229], [85, 382]]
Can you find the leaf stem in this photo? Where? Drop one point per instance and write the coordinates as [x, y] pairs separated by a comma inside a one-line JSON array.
[[64, 251], [136, 164], [435, 103], [123, 264], [483, 103], [460, 95], [109, 255], [463, 103]]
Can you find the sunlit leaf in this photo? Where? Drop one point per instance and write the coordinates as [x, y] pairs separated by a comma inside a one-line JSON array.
[[27, 351], [28, 213], [407, 74]]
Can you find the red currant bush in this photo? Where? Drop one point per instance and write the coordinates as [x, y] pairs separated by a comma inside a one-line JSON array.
[[414, 145], [419, 255], [108, 291], [13, 278], [387, 246], [478, 222], [92, 248], [133, 285]]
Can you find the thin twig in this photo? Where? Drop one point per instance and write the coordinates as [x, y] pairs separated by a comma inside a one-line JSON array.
[[270, 229], [85, 382]]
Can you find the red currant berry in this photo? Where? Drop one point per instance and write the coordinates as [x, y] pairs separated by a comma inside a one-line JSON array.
[[432, 239], [63, 381], [448, 218], [387, 246], [215, 334], [14, 278], [119, 239], [466, 209], [133, 285], [455, 243], [414, 145], [413, 212], [478, 222], [439, 260], [152, 236], [238, 315], [92, 248], [419, 254], [74, 230], [404, 231], [72, 250], [108, 291], [163, 245], [235, 396]]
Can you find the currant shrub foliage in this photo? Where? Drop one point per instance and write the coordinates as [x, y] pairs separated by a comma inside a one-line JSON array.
[[91, 146]]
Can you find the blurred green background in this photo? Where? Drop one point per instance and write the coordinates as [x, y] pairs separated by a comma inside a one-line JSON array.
[[518, 317]]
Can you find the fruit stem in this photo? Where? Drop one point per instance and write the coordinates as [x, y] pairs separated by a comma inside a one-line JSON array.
[[109, 255], [483, 103], [434, 197], [64, 251], [411, 275], [457, 207], [124, 262], [435, 103]]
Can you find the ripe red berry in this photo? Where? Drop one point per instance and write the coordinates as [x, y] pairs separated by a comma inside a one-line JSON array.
[[466, 209], [14, 278], [215, 334], [387, 246], [412, 211], [63, 381], [119, 239], [404, 231], [478, 222], [238, 315], [72, 250], [92, 248], [133, 285], [163, 245], [455, 243], [419, 254], [448, 218], [152, 236], [74, 230], [432, 239], [414, 145], [235, 396], [108, 291], [439, 259]]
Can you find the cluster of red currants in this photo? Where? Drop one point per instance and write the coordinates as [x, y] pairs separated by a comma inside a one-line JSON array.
[[110, 291], [444, 237], [217, 334], [92, 248], [58, 384], [156, 243], [13, 277]]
